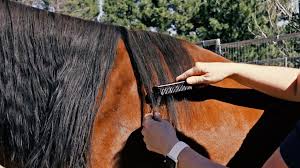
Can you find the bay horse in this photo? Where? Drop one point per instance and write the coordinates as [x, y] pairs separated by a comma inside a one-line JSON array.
[[73, 94]]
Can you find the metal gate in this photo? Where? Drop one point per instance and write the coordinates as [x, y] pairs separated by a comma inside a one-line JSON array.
[[281, 50]]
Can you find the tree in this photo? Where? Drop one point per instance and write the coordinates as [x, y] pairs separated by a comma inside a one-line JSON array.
[[86, 9], [230, 20], [195, 20], [294, 24], [160, 15]]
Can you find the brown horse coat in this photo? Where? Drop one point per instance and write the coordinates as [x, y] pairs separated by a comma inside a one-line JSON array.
[[73, 93]]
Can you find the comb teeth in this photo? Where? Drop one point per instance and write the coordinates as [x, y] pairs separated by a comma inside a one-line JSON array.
[[171, 88]]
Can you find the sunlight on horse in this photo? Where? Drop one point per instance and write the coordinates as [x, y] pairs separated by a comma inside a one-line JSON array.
[[73, 94]]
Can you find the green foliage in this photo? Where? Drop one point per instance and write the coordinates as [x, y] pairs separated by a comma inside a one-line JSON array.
[[294, 24], [146, 14], [229, 20], [195, 20], [86, 9]]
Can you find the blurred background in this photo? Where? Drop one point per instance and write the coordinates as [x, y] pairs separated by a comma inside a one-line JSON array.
[[252, 31]]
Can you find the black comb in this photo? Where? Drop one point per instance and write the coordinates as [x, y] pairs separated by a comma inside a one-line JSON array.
[[171, 88]]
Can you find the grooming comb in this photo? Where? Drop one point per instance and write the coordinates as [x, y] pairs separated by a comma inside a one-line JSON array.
[[171, 88], [167, 89]]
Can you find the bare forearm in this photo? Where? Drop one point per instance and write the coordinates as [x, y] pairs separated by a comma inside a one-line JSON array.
[[279, 82], [188, 158]]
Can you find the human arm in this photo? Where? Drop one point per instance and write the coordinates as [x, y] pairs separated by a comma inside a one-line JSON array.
[[189, 158], [275, 161], [280, 82], [160, 137]]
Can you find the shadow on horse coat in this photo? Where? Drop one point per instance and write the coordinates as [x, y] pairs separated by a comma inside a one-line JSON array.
[[72, 93], [135, 155], [267, 133]]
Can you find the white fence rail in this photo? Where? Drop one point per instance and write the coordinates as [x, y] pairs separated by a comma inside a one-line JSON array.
[[281, 50]]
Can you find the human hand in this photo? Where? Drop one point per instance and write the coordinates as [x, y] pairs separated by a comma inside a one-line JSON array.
[[159, 135], [207, 73]]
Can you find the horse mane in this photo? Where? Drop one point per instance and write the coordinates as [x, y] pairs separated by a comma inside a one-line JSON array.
[[52, 67], [157, 59]]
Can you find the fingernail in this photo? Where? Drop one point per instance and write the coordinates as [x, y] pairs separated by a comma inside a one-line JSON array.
[[157, 113], [189, 81], [148, 114]]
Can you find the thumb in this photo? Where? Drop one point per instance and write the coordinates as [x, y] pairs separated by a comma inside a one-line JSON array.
[[197, 80], [157, 116]]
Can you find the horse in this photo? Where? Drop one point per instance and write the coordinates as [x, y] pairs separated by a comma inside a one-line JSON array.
[[73, 94]]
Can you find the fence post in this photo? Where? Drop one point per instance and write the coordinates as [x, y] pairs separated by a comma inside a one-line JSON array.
[[218, 46], [213, 44], [285, 61]]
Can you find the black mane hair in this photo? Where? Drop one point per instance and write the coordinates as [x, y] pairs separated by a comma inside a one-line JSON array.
[[51, 67], [157, 59]]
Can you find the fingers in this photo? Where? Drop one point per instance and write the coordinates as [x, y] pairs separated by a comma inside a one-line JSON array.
[[157, 116], [191, 72], [198, 80], [148, 146], [147, 122], [149, 117]]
